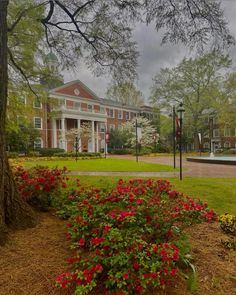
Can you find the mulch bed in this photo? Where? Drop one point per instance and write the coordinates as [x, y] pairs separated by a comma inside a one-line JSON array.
[[33, 258]]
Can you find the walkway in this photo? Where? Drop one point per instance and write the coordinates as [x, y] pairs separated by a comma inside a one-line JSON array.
[[193, 169]]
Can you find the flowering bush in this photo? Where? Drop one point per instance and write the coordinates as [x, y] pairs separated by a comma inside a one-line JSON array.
[[228, 223], [40, 185], [127, 240]]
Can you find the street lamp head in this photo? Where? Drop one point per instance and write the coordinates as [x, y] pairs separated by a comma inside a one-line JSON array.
[[180, 111]]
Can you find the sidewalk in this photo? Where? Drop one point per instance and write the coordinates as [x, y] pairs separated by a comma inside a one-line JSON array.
[[193, 169]]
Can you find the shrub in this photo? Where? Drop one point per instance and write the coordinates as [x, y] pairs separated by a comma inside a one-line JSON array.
[[12, 155], [80, 155], [40, 186], [124, 151], [33, 154], [128, 240], [229, 152], [48, 152], [228, 223]]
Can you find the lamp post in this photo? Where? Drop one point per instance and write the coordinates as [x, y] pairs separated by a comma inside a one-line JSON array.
[[76, 147], [174, 135], [180, 112], [136, 139]]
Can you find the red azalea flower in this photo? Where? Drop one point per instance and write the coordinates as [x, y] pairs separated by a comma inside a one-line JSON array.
[[139, 201], [107, 228], [82, 242], [173, 272], [136, 265], [126, 276]]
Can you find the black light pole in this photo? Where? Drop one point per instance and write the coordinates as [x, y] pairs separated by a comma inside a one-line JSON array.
[[180, 111], [136, 131], [105, 143], [76, 147], [174, 136]]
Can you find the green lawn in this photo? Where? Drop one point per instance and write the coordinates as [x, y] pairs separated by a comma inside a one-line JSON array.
[[121, 165], [219, 193]]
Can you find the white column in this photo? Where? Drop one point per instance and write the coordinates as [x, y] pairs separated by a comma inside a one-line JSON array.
[[97, 143], [79, 143], [54, 133], [63, 134], [93, 137]]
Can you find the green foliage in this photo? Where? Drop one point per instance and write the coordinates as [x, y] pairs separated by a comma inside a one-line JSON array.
[[126, 240], [197, 83], [47, 152], [118, 139], [125, 93], [27, 31], [40, 186], [211, 190], [124, 151], [22, 139], [79, 155], [228, 223]]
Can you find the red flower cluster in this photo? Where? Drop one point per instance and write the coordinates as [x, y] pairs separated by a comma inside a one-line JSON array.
[[38, 185], [131, 232]]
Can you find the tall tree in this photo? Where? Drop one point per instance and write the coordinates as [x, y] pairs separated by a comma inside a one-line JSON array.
[[99, 31], [195, 82], [125, 93]]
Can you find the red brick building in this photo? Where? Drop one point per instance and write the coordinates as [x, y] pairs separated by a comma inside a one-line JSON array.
[[73, 104]]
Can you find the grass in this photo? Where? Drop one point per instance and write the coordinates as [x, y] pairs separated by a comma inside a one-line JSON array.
[[219, 193], [121, 165]]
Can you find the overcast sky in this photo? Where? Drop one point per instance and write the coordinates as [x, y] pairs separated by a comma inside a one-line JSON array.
[[153, 56]]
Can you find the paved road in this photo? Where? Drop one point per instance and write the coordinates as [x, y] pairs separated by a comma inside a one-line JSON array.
[[193, 169]]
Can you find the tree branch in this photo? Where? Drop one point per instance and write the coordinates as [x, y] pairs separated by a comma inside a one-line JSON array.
[[21, 72], [22, 14]]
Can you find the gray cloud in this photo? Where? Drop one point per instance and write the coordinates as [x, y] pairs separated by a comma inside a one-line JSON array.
[[153, 56]]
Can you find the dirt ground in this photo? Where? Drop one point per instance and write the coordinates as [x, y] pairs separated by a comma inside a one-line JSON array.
[[33, 258]]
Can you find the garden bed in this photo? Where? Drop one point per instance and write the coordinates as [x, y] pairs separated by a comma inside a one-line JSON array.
[[33, 258]]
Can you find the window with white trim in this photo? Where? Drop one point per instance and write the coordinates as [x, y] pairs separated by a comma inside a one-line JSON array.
[[38, 122], [37, 103], [216, 133], [227, 132], [38, 143], [102, 127], [110, 113], [102, 110], [127, 115], [120, 114], [76, 104], [90, 107], [206, 145]]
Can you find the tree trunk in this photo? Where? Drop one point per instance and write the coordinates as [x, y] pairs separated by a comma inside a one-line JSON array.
[[14, 212]]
